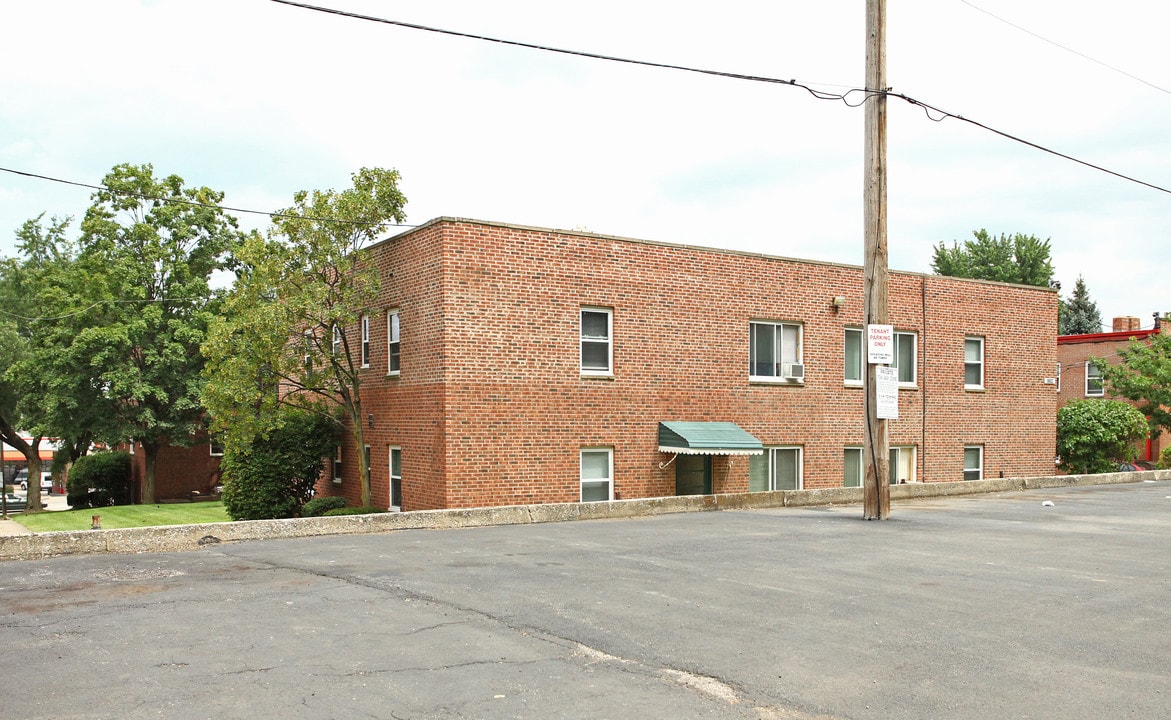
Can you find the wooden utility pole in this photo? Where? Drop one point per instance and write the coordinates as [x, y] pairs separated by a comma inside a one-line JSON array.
[[876, 484]]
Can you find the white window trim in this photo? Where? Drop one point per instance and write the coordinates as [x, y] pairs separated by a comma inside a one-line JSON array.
[[861, 465], [337, 340], [861, 357], [582, 479], [980, 468], [914, 459], [609, 340], [365, 341], [914, 381], [211, 449], [770, 455], [980, 386], [391, 316], [778, 379], [1058, 377], [1101, 391], [390, 451]]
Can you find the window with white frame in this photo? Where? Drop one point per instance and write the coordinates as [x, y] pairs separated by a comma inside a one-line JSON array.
[[1094, 387], [853, 356], [337, 339], [973, 363], [307, 347], [597, 474], [974, 462], [905, 357], [216, 448], [597, 346], [1058, 377], [774, 351], [852, 467], [365, 341], [778, 468], [392, 343], [902, 464], [396, 477], [337, 465]]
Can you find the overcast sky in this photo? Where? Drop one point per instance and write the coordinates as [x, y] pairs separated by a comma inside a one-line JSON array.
[[259, 99]]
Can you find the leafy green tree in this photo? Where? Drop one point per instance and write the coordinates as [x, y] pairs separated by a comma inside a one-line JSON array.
[[130, 311], [1093, 435], [1144, 377], [57, 398], [285, 338], [1079, 315], [1022, 259], [24, 402], [274, 476]]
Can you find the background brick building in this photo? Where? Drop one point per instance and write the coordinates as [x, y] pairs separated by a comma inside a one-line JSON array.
[[1081, 378], [515, 365]]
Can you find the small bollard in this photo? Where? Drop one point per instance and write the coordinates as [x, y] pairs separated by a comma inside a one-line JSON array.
[[97, 522]]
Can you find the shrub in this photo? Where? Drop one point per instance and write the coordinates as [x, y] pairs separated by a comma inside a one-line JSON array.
[[318, 506], [1093, 435], [353, 511], [274, 476], [1165, 459], [99, 480]]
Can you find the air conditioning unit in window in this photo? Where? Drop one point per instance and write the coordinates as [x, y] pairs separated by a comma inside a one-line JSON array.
[[794, 371]]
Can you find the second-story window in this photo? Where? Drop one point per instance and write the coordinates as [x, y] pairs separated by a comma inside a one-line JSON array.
[[775, 352], [365, 341], [973, 363], [1094, 387], [392, 343], [597, 346]]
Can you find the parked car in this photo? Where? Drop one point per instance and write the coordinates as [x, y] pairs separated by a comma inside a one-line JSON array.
[[18, 504], [21, 479], [1136, 466]]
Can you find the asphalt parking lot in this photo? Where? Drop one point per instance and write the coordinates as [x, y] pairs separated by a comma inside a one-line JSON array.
[[972, 607]]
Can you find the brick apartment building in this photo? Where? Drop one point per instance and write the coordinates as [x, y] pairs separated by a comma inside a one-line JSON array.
[[1079, 377], [512, 365]]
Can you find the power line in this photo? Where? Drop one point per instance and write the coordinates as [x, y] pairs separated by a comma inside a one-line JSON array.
[[808, 87], [1065, 48], [192, 203], [844, 97]]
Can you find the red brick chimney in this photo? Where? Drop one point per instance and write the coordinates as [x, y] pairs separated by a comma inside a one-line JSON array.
[[1126, 324]]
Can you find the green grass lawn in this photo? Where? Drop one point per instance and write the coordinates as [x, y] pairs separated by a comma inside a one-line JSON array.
[[126, 516]]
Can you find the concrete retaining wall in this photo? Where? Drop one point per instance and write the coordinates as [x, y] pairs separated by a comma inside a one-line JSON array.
[[191, 537]]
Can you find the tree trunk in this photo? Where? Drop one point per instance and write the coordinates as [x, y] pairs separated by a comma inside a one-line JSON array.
[[151, 455], [32, 454]]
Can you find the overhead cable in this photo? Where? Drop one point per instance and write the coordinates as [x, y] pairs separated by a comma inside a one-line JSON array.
[[192, 203], [845, 97], [1063, 47]]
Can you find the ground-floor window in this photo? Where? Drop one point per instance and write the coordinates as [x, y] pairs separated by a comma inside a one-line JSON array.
[[974, 462], [852, 464], [779, 468], [597, 474], [337, 465], [902, 464], [396, 477]]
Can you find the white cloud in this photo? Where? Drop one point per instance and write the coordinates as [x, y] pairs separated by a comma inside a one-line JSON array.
[[260, 99]]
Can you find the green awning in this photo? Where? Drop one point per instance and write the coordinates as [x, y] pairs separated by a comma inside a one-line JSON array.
[[706, 438]]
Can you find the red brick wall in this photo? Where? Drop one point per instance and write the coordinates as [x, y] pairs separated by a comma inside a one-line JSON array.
[[1072, 353], [491, 407], [178, 471]]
